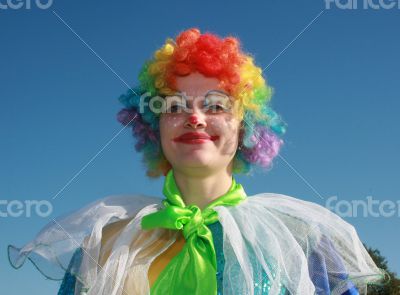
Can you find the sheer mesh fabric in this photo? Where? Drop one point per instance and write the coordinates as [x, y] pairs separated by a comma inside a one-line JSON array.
[[270, 240]]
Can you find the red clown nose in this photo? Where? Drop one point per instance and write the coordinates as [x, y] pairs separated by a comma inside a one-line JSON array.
[[193, 120]]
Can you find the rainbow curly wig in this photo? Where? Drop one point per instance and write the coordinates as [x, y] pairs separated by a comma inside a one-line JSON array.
[[211, 56]]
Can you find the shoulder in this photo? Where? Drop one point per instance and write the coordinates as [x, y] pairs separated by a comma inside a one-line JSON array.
[[136, 207], [110, 233], [96, 226], [285, 216], [284, 205], [107, 213]]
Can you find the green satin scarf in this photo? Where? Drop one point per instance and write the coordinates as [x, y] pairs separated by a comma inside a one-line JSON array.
[[193, 270]]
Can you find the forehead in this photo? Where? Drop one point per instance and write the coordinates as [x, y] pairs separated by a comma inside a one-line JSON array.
[[196, 84]]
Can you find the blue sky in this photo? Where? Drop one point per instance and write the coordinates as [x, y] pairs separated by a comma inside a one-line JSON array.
[[335, 73]]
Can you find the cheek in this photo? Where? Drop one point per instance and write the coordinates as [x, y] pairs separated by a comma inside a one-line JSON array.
[[226, 127], [169, 125], [169, 128]]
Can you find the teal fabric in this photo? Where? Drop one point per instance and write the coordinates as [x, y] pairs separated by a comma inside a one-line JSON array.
[[261, 284], [69, 281]]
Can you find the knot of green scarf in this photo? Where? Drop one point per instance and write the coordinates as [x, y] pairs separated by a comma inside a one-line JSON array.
[[193, 270]]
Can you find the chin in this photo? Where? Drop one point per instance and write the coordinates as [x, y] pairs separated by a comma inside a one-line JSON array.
[[195, 161]]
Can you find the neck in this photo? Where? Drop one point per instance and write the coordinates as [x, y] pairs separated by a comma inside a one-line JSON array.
[[200, 190]]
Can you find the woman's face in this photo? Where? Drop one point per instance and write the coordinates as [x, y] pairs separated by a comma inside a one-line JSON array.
[[198, 128]]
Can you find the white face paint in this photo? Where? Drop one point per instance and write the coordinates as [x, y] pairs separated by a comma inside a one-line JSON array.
[[209, 112]]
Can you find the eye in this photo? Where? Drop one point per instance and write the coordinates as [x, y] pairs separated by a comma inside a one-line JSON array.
[[216, 108], [217, 102], [176, 108], [174, 104]]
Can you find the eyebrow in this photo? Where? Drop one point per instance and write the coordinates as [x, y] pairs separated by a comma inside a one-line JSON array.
[[183, 94], [217, 90]]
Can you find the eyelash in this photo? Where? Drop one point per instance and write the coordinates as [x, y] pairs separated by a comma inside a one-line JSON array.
[[216, 107], [172, 108], [221, 107]]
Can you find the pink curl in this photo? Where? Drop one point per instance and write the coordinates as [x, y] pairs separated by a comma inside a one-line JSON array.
[[265, 149]]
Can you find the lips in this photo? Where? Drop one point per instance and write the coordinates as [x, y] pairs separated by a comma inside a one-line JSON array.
[[195, 138]]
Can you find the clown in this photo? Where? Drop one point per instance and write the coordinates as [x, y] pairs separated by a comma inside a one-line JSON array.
[[201, 114]]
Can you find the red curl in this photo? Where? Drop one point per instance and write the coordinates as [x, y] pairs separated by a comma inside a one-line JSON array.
[[207, 54]]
